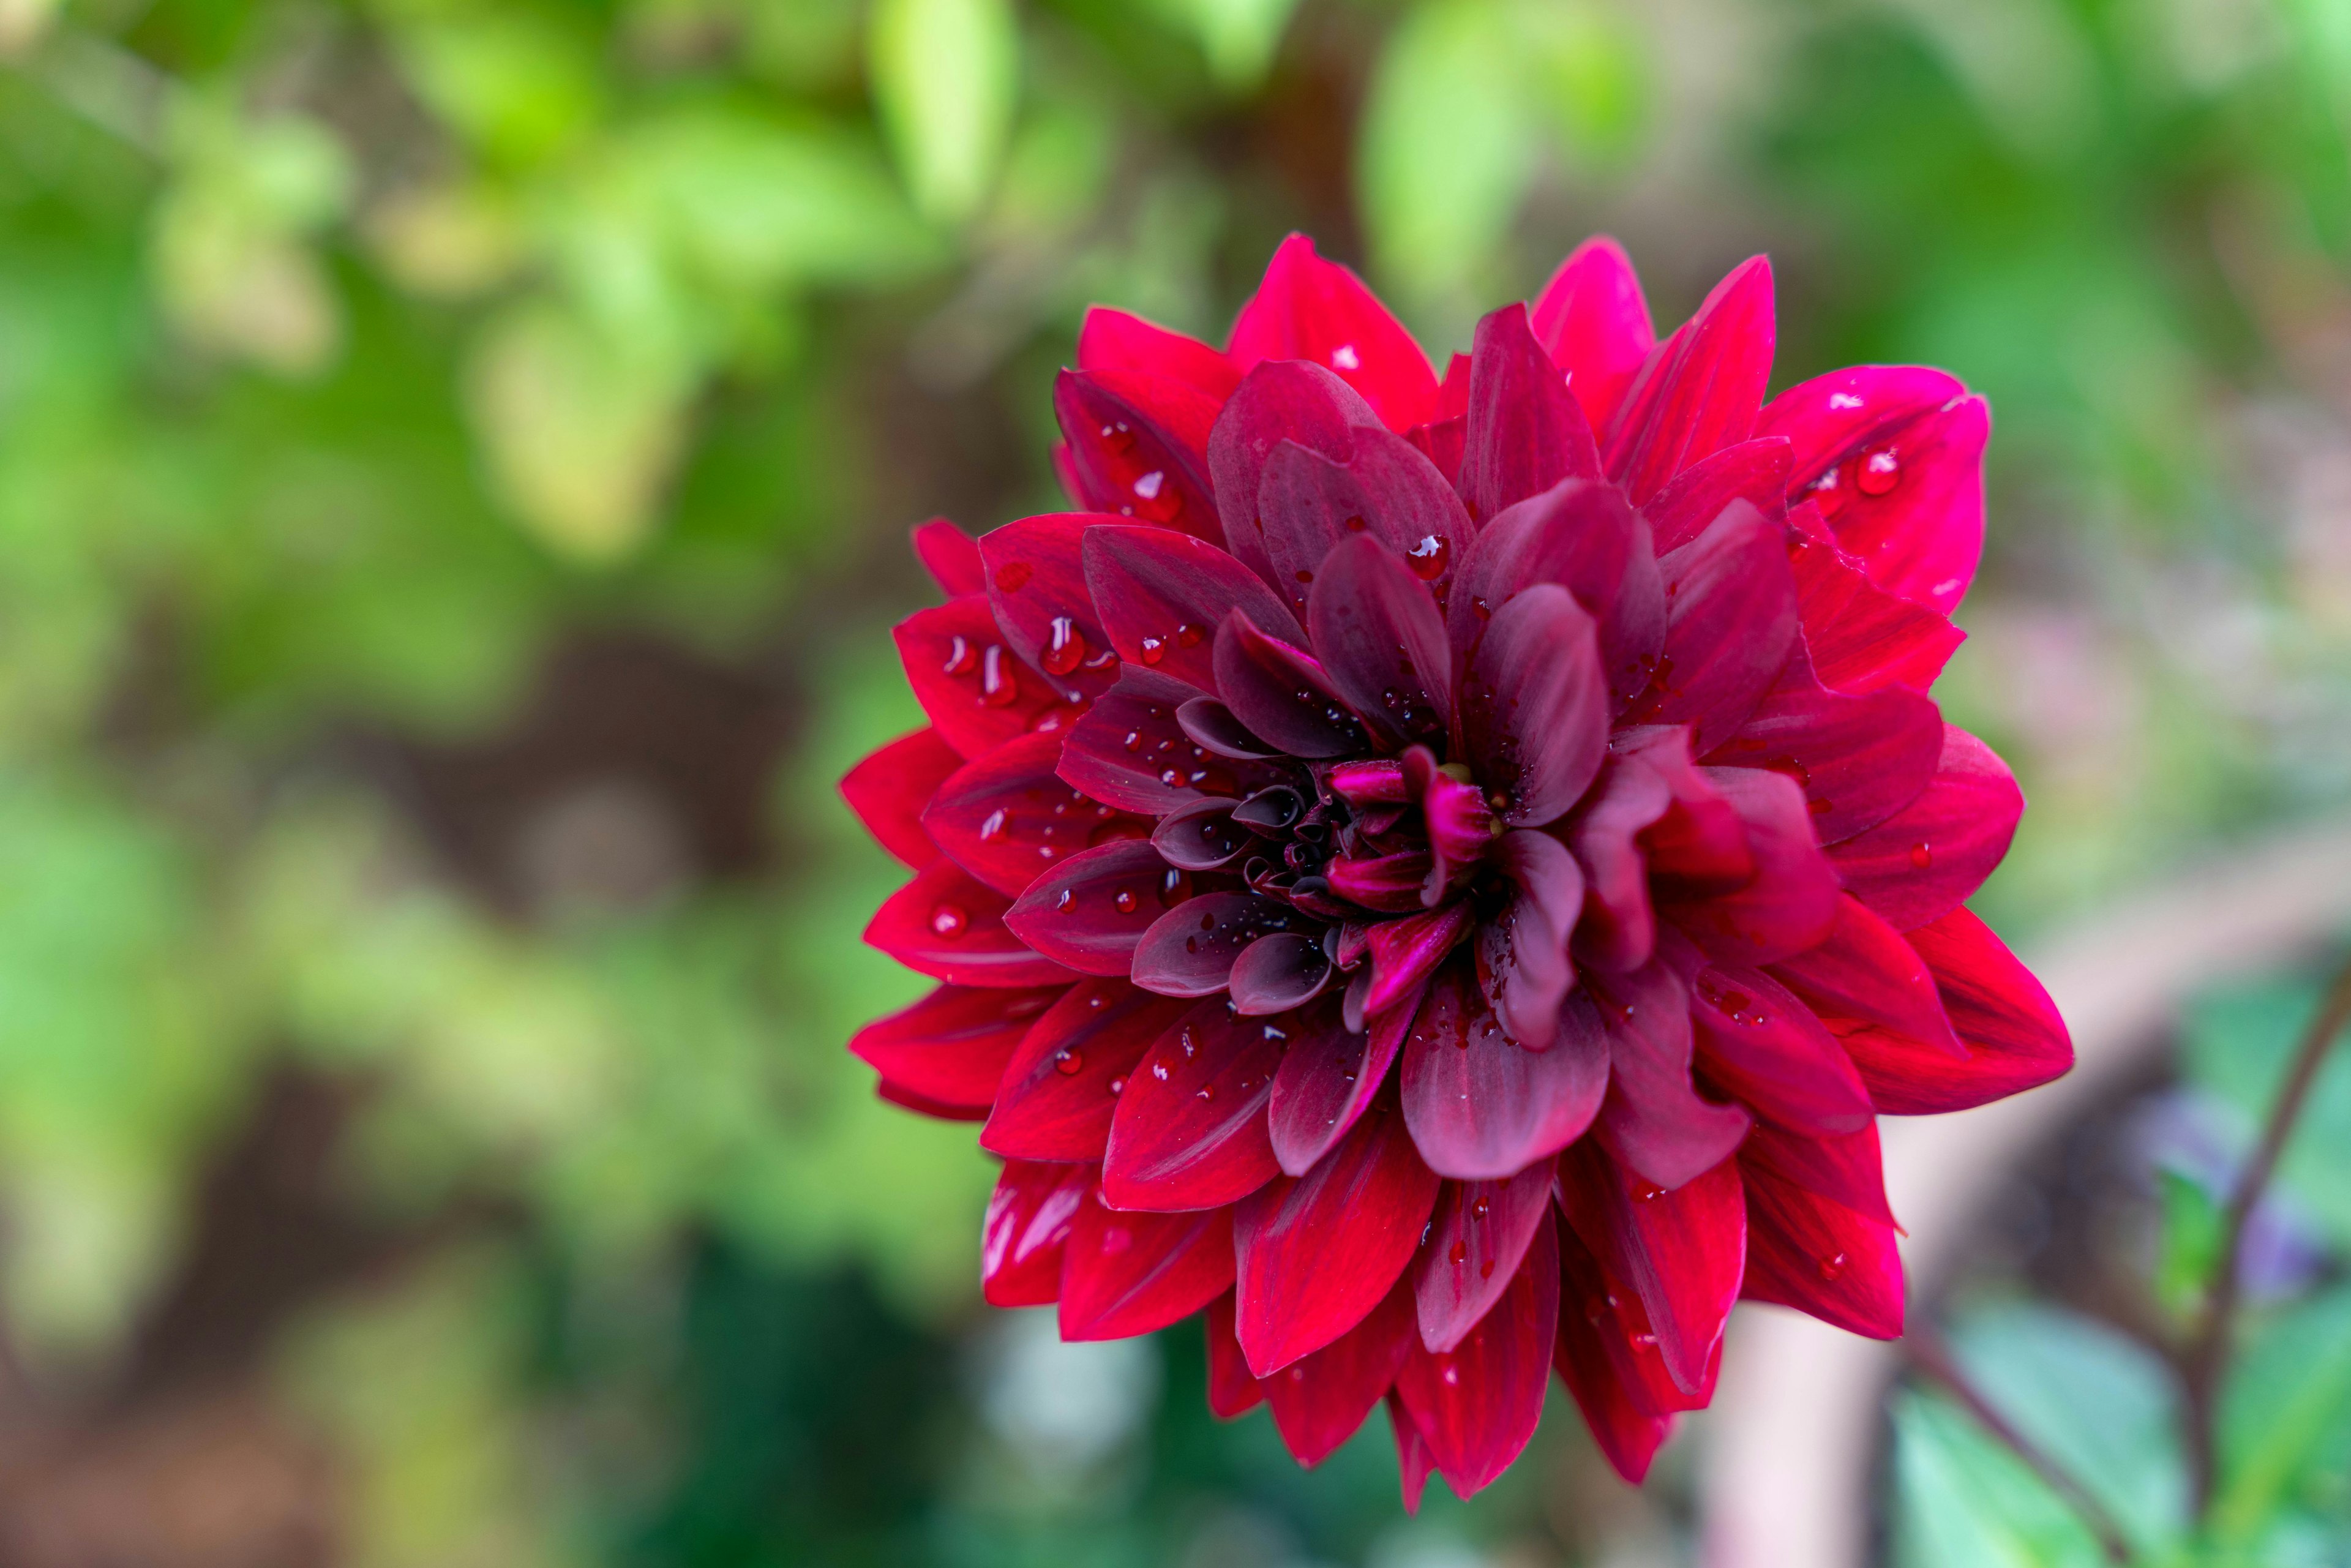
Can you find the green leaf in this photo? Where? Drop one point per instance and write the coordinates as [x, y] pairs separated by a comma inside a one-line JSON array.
[[2285, 1418], [1588, 73], [945, 73], [2236, 1044], [1962, 1500], [1238, 37], [2189, 1242], [516, 87]]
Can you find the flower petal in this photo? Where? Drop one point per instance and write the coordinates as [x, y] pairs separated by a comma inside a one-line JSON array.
[[1323, 1084], [951, 555], [1926, 860], [1731, 627], [949, 927], [1163, 595], [1189, 1131], [1522, 962], [1233, 1390], [1281, 401], [1534, 706], [1477, 1404], [952, 1047], [1037, 587], [1056, 1100], [1589, 1354], [1858, 758], [1866, 972], [1137, 448], [1478, 1238], [1755, 472], [1126, 1274], [1594, 324], [1380, 487], [1682, 1251], [1111, 340], [1790, 905], [1406, 952], [1310, 309], [1700, 388], [1376, 629], [1618, 928], [1861, 637], [1579, 535], [1320, 1400], [1820, 1257], [1130, 751], [1277, 973], [977, 691], [1317, 1252], [1007, 817], [1414, 1461], [1390, 884], [1091, 911], [1028, 1219], [1759, 1044], [1845, 1169], [1525, 434], [1481, 1107], [1282, 693], [889, 789], [2015, 1039], [1189, 951], [1653, 1122]]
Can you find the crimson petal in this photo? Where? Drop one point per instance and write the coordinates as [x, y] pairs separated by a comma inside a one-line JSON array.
[[1008, 817], [1376, 629], [1483, 1108], [1866, 972], [2015, 1039], [1755, 472], [1582, 536], [1844, 1169], [1280, 400], [1522, 962], [1233, 1390], [1479, 1238], [1317, 1252], [1924, 860], [1415, 1463], [1594, 324], [1682, 1251], [1525, 434], [1202, 836], [1861, 637], [1820, 1257], [1126, 1274], [1790, 905], [1618, 929], [1281, 693], [1701, 388], [1859, 758], [1138, 447], [1277, 973], [1390, 883], [889, 789], [976, 691], [1534, 706], [1406, 952], [1028, 1219], [1477, 1404], [1189, 1131], [1091, 911], [1190, 950], [1310, 309], [951, 555], [1732, 625], [952, 1047], [1765, 1048], [949, 927], [1056, 1100], [1163, 595], [1130, 751], [1320, 1400], [1111, 340], [1382, 487], [1589, 1355], [1329, 1076], [1038, 589], [1654, 1120]]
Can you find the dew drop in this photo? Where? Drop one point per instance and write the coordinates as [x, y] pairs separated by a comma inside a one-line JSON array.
[[1452, 1376], [1014, 575], [1117, 1087], [1430, 557], [1153, 650], [1878, 474], [1922, 855], [949, 920], [1124, 900], [1461, 1251], [1065, 647], [997, 685], [1134, 740], [1148, 485], [1356, 525], [993, 828], [1159, 1071], [1065, 903], [1175, 887], [1303, 575], [1831, 1267], [962, 657], [1647, 1193], [1478, 1210], [1344, 358], [1069, 1063], [1188, 635], [1207, 1091]]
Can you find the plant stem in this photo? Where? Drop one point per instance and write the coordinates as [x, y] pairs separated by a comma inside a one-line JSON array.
[[1933, 1359], [2205, 1364]]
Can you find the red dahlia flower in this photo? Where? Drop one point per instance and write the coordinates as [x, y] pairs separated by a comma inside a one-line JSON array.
[[1442, 875]]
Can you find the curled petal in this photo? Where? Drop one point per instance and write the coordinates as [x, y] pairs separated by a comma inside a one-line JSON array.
[[1163, 595], [1319, 1400], [950, 926], [1653, 1122], [1700, 844], [1926, 860], [1211, 724], [1477, 1404], [1038, 589], [1376, 629], [1682, 1251], [1522, 958], [1478, 1238], [1760, 1045], [1700, 388], [1028, 1219], [1534, 706], [1391, 884], [1130, 751], [1618, 929], [1277, 973], [1190, 1130], [1406, 952], [889, 789], [952, 1047], [1111, 340], [1282, 693], [1310, 309], [1593, 322], [1788, 906], [1482, 1107], [951, 555], [1056, 1102], [1730, 629], [1202, 836], [1008, 818], [1327, 1079], [977, 691], [1820, 1257], [1862, 637], [1525, 432], [1280, 401], [1189, 951], [1126, 1274], [1582, 536], [1091, 911]]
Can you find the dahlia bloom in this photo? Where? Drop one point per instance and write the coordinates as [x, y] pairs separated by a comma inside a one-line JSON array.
[[1440, 876]]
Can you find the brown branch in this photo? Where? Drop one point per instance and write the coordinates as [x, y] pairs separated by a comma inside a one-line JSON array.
[[2204, 1364], [1933, 1360]]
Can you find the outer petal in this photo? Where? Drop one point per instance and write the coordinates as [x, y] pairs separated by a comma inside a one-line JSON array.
[[2014, 1037], [1327, 1079], [1701, 388], [1038, 590], [1731, 627], [1820, 1257], [1233, 1390], [1926, 860], [1310, 309], [1163, 595], [1683, 1252], [1866, 972], [1280, 401], [952, 1047], [1534, 706], [1845, 1169], [1479, 1237], [1138, 448], [951, 555], [1056, 1102], [1190, 1130], [1760, 1045], [1755, 472], [1654, 1120], [1859, 758], [1789, 906], [1860, 636], [1091, 911], [1593, 323], [1316, 1253], [944, 924], [1482, 1108], [1525, 432], [1381, 487], [977, 691], [1125, 1274], [889, 789], [1377, 631], [1130, 751], [1111, 340], [1414, 1461], [1028, 1219], [1008, 818], [1587, 1355], [1320, 1400], [1477, 1404]]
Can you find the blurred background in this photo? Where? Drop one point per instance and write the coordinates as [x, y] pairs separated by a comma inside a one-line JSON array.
[[455, 458]]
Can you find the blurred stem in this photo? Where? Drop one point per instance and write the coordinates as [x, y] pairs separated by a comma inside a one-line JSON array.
[[2205, 1365], [1934, 1361]]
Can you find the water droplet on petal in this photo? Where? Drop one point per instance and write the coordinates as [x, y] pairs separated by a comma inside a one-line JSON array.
[[1065, 903], [1303, 575], [1153, 650], [997, 685], [992, 828], [1188, 635], [962, 657], [1430, 557], [1065, 647], [1124, 900], [1344, 358], [1922, 855], [1485, 1269], [1069, 1063], [1117, 1087], [1459, 1251], [1014, 575], [1831, 1267], [1148, 485], [949, 920], [1878, 474]]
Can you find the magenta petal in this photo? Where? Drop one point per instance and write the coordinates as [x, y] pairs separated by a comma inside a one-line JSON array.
[[1028, 1219], [951, 555], [1189, 1131], [1619, 928], [1820, 1257], [1731, 628], [1828, 418], [1125, 1274], [1594, 324], [952, 1047], [1924, 860], [1008, 818], [1866, 971], [1329, 1076], [1790, 903], [1377, 631], [1055, 1102], [1859, 758], [976, 691], [1415, 1463], [1211, 724], [1277, 973], [1526, 433], [1475, 1243], [1111, 340], [1477, 1404], [1282, 693], [1845, 1169], [1582, 536], [1755, 472], [1317, 1252], [1381, 488], [1589, 1354], [1189, 951], [1202, 836], [948, 926], [1038, 590], [1860, 637], [1406, 952], [1319, 1400], [1534, 706], [1310, 309], [1760, 1045], [1700, 844], [1443, 441], [889, 789], [1163, 595], [1482, 1108], [1522, 962], [1391, 884], [1701, 388], [2015, 1039], [1130, 751], [1280, 400], [1091, 911], [1682, 1251], [1655, 1123], [1138, 447], [1233, 1390]]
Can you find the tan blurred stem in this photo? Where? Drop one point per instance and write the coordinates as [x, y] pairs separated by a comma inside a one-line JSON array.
[[2205, 1364], [1933, 1360]]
